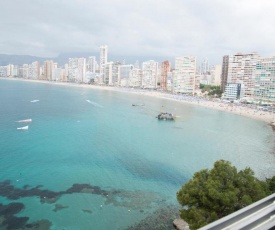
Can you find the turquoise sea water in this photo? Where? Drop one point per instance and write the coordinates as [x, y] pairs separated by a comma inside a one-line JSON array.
[[91, 160]]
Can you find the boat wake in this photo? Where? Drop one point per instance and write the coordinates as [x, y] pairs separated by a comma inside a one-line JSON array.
[[94, 104], [26, 120], [23, 128]]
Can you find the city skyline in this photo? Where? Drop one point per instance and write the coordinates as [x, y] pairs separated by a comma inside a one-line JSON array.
[[199, 28]]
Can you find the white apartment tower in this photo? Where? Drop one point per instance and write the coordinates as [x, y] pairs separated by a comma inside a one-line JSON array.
[[185, 76], [149, 74], [77, 69], [240, 68], [215, 73], [103, 58], [204, 67], [135, 78], [111, 73], [91, 64], [34, 70], [124, 74]]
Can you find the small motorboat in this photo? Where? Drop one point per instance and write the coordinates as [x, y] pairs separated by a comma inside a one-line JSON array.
[[24, 128], [34, 101], [26, 120]]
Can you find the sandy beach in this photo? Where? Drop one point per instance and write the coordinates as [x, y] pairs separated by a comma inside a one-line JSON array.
[[239, 109]]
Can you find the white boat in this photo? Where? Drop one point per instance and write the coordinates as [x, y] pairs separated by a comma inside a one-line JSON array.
[[24, 127], [26, 120], [34, 100]]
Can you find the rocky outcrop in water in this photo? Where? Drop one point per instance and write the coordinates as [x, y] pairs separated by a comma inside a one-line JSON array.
[[165, 116], [180, 224]]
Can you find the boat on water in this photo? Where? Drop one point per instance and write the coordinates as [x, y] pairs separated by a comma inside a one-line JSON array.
[[26, 120], [141, 104], [24, 128], [34, 100]]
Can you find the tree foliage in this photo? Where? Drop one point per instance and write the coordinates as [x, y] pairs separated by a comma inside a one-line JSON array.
[[213, 194], [211, 89]]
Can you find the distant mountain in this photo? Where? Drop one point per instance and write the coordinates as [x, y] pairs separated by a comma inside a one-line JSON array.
[[63, 58], [6, 59]]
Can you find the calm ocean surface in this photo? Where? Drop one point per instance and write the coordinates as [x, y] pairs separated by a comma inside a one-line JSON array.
[[91, 160]]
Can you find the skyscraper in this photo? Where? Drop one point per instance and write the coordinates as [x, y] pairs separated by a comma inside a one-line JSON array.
[[47, 70], [185, 76], [240, 68], [149, 74], [91, 64], [111, 73], [264, 88], [204, 68], [77, 69], [34, 70], [165, 68], [103, 58], [215, 73]]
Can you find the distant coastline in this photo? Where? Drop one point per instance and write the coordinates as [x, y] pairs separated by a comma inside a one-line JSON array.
[[226, 107]]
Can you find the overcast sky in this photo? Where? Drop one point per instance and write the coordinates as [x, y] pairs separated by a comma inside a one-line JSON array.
[[202, 28]]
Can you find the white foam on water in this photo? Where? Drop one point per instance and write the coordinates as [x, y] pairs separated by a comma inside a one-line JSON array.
[[94, 104]]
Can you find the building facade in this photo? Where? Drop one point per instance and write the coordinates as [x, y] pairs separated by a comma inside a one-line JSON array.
[[165, 69], [149, 74], [91, 64], [34, 70], [240, 68], [77, 70], [215, 73], [47, 70], [124, 74], [111, 73], [234, 91], [103, 58], [185, 75], [265, 79]]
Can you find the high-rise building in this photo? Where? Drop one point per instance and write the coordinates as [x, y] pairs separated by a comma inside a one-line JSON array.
[[91, 64], [264, 88], [215, 73], [47, 70], [240, 68], [77, 69], [3, 71], [10, 68], [111, 73], [170, 78], [34, 70], [165, 68], [185, 75], [149, 74], [124, 74], [204, 67], [135, 78], [25, 71], [103, 58]]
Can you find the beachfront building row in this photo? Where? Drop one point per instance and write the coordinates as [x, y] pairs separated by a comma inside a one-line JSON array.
[[257, 74], [152, 75], [183, 79]]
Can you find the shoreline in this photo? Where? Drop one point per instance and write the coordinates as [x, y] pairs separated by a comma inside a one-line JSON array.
[[245, 111]]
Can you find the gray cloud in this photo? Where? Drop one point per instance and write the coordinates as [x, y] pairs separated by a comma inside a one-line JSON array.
[[202, 28]]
